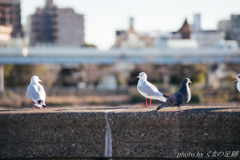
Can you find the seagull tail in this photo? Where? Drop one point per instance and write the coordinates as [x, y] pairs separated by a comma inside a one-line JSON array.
[[38, 103], [162, 99], [44, 105], [165, 96]]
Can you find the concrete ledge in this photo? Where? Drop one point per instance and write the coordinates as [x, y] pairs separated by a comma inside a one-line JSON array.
[[122, 131]]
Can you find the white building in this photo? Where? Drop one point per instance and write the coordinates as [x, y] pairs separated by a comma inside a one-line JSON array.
[[206, 38], [172, 41], [131, 39]]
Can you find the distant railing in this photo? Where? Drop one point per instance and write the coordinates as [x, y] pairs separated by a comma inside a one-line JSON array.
[[64, 91], [68, 55]]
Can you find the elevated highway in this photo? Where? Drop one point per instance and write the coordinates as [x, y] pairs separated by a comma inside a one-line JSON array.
[[76, 55]]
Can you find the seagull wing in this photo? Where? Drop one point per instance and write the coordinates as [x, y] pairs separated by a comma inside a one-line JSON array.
[[149, 89], [42, 92], [33, 93]]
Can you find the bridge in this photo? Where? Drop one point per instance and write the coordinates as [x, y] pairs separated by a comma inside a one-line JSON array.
[[76, 55]]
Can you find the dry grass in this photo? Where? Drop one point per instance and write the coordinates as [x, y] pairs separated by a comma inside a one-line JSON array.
[[63, 97], [90, 99], [18, 101]]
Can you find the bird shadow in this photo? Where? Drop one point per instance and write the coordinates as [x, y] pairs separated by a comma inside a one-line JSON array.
[[104, 108], [153, 111], [192, 110], [6, 110], [204, 109]]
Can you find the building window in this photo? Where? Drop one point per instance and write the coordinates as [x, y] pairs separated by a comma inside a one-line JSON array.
[[235, 30]]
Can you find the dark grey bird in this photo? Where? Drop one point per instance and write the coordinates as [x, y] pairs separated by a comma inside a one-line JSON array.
[[181, 97]]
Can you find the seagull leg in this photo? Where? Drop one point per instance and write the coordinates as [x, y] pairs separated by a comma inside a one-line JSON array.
[[33, 104], [150, 102], [146, 103]]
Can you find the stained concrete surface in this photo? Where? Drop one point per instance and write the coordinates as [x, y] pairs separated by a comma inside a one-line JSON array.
[[136, 132]]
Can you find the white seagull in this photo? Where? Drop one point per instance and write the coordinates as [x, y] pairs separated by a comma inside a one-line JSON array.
[[36, 93], [237, 78], [148, 90]]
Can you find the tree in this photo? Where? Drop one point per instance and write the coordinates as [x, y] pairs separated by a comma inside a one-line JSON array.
[[20, 75]]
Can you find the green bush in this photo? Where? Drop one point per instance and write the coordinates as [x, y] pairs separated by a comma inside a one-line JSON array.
[[20, 75], [198, 78], [196, 98]]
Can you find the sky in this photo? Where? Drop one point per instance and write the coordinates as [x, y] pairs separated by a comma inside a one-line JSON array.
[[104, 17]]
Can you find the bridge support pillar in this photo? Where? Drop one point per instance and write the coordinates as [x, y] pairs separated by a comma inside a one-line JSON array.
[[1, 78]]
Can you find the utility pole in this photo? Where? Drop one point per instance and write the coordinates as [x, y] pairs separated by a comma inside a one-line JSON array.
[[7, 12], [1, 78]]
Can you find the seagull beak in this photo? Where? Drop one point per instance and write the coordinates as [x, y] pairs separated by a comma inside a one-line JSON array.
[[40, 80], [234, 79], [137, 77]]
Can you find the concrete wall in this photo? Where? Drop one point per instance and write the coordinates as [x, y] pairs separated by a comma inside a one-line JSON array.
[[120, 134]]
